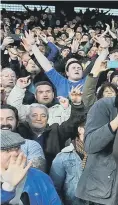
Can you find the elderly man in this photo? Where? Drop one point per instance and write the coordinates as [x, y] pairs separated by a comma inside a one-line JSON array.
[[18, 185], [52, 138], [32, 150]]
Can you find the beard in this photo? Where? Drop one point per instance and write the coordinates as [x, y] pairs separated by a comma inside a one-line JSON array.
[[116, 101]]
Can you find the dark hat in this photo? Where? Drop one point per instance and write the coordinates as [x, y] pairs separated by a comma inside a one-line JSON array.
[[10, 140], [64, 47]]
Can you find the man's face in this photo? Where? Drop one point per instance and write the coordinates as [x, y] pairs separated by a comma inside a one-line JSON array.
[[42, 49], [114, 56], [79, 29], [7, 120], [55, 31], [32, 67], [63, 37], [25, 59], [78, 36], [65, 52], [8, 78], [74, 72], [44, 94], [85, 38], [109, 92], [108, 40], [37, 119], [115, 80], [82, 53], [92, 34], [6, 155], [92, 52]]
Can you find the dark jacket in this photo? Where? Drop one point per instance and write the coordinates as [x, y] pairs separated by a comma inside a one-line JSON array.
[[115, 148], [99, 180], [55, 136]]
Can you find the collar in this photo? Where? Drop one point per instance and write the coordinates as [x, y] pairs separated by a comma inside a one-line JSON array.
[[70, 148]]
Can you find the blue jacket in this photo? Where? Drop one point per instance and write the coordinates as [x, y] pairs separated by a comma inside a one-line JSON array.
[[62, 84], [65, 172], [39, 188]]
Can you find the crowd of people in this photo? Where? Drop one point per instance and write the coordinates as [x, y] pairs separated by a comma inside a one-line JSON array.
[[59, 108]]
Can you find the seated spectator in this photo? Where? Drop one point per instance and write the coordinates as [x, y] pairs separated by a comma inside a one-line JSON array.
[[67, 168], [20, 186], [32, 150]]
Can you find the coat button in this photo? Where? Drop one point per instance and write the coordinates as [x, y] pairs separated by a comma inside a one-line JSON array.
[[108, 177]]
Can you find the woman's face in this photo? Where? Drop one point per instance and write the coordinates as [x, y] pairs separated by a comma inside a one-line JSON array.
[[81, 131], [109, 92]]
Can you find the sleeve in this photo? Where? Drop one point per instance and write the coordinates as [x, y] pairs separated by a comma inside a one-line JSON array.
[[58, 174], [53, 53], [32, 149], [68, 129], [6, 196], [89, 67], [34, 152], [89, 91], [97, 131], [15, 99], [55, 78], [115, 148]]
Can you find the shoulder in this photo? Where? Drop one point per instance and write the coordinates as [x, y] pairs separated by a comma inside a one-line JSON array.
[[39, 176], [107, 103]]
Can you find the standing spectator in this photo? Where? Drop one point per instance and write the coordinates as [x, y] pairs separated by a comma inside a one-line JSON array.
[[99, 180]]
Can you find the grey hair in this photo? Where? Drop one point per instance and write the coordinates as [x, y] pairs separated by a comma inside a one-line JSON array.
[[39, 106], [6, 68]]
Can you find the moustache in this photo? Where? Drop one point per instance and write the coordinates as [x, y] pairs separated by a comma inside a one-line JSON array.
[[6, 126]]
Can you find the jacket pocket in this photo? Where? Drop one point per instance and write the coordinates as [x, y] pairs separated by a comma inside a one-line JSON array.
[[100, 182]]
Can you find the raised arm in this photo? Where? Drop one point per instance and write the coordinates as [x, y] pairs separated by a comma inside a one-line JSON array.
[[42, 60], [16, 96]]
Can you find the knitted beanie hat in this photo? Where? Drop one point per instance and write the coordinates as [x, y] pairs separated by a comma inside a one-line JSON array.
[[10, 140]]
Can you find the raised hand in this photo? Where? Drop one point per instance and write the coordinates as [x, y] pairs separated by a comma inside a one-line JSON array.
[[101, 40], [44, 38], [23, 82], [108, 27], [63, 101], [74, 46], [7, 41], [16, 170], [76, 94]]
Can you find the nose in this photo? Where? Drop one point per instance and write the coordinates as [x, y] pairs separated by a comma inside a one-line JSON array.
[[10, 77], [39, 118], [45, 94]]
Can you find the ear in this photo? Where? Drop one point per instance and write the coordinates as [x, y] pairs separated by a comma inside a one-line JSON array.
[[67, 73]]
